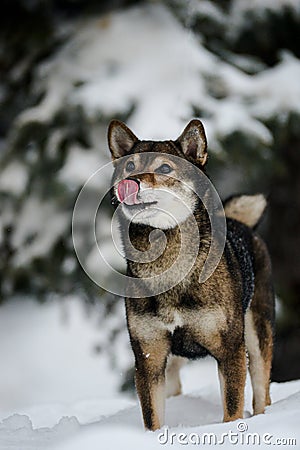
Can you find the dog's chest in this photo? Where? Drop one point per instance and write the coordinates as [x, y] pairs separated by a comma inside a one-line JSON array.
[[172, 320], [186, 338], [187, 322]]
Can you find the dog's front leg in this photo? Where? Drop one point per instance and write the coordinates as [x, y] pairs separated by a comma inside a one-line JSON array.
[[232, 374], [150, 367]]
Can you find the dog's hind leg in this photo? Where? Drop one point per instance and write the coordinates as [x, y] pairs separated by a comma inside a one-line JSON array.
[[259, 366], [259, 321], [173, 384]]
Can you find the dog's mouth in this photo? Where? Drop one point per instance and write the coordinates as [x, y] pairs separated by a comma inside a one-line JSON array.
[[141, 205], [128, 194]]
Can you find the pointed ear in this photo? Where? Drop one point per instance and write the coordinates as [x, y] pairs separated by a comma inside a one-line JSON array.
[[120, 139], [193, 142]]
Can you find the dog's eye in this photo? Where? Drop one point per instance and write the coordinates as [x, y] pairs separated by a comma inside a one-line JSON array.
[[130, 166], [164, 168]]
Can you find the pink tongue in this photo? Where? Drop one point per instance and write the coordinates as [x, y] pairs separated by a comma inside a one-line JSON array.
[[127, 192]]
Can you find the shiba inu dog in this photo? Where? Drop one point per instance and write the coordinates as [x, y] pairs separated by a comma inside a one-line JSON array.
[[229, 315]]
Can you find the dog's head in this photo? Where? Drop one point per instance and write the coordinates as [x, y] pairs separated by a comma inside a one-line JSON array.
[[151, 182]]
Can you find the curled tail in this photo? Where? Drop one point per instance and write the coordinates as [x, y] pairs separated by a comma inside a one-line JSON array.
[[247, 209]]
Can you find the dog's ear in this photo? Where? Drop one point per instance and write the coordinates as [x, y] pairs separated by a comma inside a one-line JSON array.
[[193, 142], [120, 139]]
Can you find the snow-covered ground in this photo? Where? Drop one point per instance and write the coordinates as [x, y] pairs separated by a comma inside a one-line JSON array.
[[57, 393]]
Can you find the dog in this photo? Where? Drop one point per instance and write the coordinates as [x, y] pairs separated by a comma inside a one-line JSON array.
[[230, 316]]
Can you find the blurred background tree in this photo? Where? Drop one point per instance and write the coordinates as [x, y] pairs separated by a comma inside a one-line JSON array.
[[68, 66]]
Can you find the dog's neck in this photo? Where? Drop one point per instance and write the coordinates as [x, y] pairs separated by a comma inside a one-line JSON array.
[[142, 239]]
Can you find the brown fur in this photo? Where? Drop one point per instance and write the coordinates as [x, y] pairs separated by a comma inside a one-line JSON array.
[[191, 319]]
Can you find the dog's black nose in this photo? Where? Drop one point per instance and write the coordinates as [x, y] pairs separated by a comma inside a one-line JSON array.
[[136, 180]]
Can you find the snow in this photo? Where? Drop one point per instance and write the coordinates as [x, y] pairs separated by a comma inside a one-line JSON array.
[[30, 227], [127, 63], [134, 71], [144, 70], [57, 393], [208, 9], [107, 76], [46, 340], [13, 178], [274, 99], [79, 166]]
